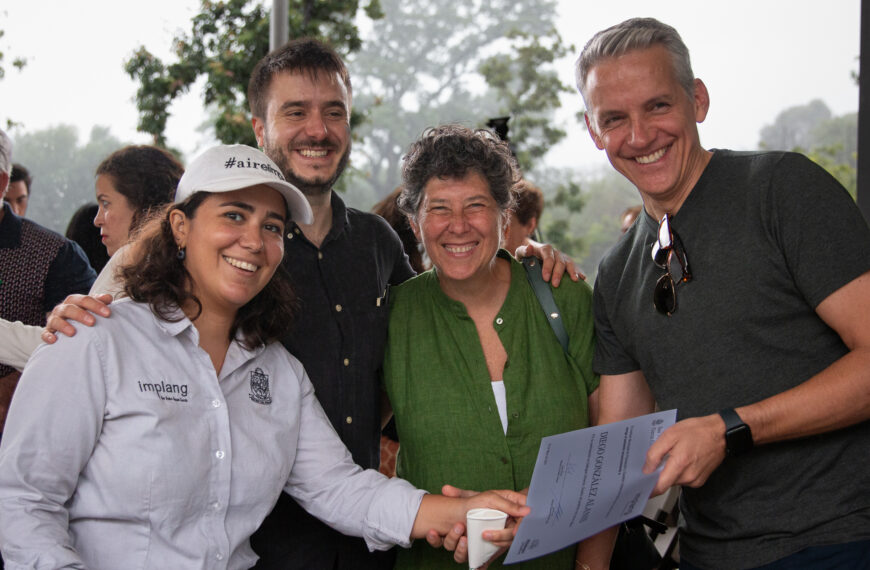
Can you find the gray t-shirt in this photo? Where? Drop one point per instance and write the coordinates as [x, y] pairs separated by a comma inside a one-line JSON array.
[[768, 237]]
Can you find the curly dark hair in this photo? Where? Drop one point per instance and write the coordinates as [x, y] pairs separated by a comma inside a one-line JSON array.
[[306, 55], [451, 152], [146, 176], [154, 275]]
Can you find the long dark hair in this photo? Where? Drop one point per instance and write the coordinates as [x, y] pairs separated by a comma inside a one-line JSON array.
[[154, 275]]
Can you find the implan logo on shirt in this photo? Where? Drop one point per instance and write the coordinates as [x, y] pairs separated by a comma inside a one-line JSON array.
[[165, 390]]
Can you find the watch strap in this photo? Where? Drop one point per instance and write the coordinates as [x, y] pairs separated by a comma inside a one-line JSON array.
[[738, 436], [732, 420]]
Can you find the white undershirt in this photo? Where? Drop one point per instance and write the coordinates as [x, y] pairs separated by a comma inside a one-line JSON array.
[[500, 401]]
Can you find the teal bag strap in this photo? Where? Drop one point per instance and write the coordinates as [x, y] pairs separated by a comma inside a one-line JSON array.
[[545, 298]]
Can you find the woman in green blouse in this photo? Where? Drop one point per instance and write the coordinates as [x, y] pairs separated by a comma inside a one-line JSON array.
[[475, 375]]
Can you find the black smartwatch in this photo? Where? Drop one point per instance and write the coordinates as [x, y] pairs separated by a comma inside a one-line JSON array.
[[738, 436]]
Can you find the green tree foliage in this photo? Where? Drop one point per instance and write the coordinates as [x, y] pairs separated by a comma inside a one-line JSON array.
[[583, 220], [793, 127], [429, 62], [226, 40], [831, 142], [62, 169], [830, 158]]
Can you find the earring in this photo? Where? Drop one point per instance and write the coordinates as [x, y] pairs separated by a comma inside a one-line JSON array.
[[182, 253]]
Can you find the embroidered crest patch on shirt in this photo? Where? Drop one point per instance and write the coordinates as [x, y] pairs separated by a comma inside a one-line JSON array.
[[260, 387]]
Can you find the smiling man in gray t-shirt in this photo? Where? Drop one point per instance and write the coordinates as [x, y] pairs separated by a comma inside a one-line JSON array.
[[741, 298]]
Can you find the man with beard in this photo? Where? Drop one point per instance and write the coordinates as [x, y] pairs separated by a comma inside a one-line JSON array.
[[340, 266]]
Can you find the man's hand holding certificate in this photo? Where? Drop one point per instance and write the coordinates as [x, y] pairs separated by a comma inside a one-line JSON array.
[[586, 481]]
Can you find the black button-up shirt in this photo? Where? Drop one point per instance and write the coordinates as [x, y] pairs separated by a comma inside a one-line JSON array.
[[339, 334]]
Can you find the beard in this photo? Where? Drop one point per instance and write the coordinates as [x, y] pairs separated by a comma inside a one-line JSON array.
[[309, 186]]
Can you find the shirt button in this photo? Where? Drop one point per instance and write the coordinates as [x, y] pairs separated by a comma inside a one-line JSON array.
[[319, 255], [347, 361], [499, 321], [338, 308], [219, 454], [290, 235], [219, 556], [216, 403], [349, 420], [297, 231], [516, 415], [216, 505]]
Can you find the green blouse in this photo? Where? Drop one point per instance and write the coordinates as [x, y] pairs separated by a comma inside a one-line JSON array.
[[436, 376]]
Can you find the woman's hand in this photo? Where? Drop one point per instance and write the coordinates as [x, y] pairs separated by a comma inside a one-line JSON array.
[[511, 502]]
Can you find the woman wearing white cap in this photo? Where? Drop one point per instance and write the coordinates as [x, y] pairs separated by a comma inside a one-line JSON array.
[[162, 438]]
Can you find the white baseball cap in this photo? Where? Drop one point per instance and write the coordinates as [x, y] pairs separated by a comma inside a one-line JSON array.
[[225, 168]]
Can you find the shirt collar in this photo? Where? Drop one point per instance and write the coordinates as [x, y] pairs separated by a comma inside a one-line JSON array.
[[340, 220], [237, 354], [459, 308]]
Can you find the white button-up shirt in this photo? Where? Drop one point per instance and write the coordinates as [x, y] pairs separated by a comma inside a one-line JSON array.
[[124, 449]]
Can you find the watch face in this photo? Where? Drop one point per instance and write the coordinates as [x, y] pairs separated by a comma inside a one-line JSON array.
[[738, 440]]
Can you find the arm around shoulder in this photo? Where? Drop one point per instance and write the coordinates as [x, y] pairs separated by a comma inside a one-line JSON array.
[[17, 342]]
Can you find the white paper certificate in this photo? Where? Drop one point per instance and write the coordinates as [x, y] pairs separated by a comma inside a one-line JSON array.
[[586, 481]]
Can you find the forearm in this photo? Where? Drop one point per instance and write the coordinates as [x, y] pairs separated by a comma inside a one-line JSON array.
[[595, 551], [438, 513], [623, 396], [17, 342], [35, 534], [836, 397]]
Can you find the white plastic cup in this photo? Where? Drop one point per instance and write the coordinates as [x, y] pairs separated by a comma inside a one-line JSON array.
[[477, 521]]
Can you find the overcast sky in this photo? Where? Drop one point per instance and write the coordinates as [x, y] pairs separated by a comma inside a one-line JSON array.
[[757, 58]]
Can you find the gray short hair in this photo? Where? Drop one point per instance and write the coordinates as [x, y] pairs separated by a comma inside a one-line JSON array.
[[5, 153], [635, 34]]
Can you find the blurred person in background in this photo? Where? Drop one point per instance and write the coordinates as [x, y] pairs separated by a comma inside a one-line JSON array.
[[524, 216], [629, 215], [18, 193], [38, 268], [130, 183], [388, 210], [81, 229]]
